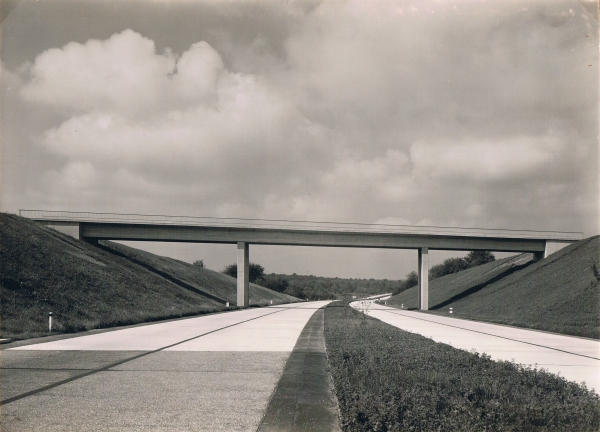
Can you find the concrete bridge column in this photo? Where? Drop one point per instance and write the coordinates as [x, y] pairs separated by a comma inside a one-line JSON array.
[[243, 274], [423, 279]]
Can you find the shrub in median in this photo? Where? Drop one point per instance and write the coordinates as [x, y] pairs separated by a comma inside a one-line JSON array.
[[387, 379]]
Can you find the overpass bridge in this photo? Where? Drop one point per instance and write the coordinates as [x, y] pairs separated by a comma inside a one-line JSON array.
[[93, 227]]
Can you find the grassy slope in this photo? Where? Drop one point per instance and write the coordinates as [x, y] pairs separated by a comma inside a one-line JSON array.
[[444, 289], [209, 281], [387, 379], [85, 286], [558, 294]]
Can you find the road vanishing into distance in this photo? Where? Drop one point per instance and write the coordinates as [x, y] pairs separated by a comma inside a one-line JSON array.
[[209, 373], [574, 358]]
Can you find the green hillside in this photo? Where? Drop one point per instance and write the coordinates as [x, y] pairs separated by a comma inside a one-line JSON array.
[[558, 294], [86, 286]]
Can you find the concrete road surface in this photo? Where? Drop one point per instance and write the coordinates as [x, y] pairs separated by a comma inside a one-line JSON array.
[[576, 359], [209, 373]]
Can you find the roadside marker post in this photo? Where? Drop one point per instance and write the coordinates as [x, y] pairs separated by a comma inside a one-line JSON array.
[[50, 322], [227, 304], [450, 310]]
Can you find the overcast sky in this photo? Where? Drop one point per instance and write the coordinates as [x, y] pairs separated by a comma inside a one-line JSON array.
[[450, 113]]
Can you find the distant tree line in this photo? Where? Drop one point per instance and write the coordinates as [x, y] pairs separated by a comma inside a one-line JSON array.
[[312, 287], [322, 288], [257, 276]]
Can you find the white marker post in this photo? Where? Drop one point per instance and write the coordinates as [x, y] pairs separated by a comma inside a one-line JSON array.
[[227, 304], [50, 322], [450, 310]]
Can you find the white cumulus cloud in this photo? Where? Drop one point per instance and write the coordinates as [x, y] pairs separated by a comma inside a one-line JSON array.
[[121, 73]]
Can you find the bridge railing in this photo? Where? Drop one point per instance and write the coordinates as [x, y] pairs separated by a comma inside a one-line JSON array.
[[132, 218]]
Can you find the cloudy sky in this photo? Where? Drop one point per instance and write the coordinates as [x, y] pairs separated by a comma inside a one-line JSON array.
[[463, 113]]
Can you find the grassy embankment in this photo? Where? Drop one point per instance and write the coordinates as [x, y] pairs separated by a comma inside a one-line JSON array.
[[212, 283], [387, 379], [86, 287], [558, 294]]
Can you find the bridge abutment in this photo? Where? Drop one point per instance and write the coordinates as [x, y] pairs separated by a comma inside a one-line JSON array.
[[554, 246], [423, 279], [69, 228], [243, 274]]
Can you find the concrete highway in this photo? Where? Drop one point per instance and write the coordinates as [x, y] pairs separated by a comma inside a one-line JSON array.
[[208, 373], [576, 359], [255, 369]]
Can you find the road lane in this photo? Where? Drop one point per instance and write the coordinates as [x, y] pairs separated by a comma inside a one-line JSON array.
[[156, 336], [180, 382], [576, 359]]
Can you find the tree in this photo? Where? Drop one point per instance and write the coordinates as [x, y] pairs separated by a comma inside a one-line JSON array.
[[230, 270], [412, 279], [454, 265], [449, 266], [256, 271], [198, 263], [296, 291], [273, 282], [475, 258]]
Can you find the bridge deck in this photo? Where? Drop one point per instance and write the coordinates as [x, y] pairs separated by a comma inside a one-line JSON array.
[[110, 226]]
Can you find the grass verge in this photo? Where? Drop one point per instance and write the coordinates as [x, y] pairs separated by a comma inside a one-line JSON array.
[[387, 379]]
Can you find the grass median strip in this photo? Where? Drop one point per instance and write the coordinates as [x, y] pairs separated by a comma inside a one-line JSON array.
[[387, 379]]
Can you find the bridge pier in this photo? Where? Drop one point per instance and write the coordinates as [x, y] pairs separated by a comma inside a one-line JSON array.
[[243, 274], [423, 278]]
